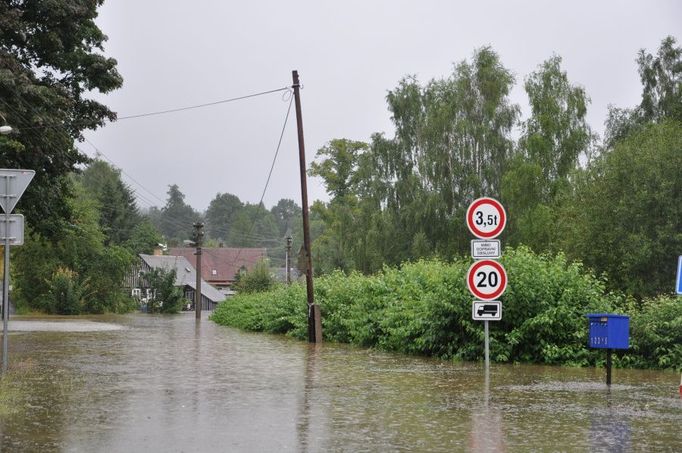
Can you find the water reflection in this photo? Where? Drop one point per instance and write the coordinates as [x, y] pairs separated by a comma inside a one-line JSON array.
[[166, 383], [609, 429], [487, 431], [306, 418]]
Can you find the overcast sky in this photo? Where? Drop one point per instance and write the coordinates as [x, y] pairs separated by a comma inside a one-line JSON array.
[[348, 53]]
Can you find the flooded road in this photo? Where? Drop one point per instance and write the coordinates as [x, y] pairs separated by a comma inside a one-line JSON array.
[[164, 383]]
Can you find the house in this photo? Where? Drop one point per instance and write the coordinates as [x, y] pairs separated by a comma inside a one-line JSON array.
[[220, 265], [185, 278]]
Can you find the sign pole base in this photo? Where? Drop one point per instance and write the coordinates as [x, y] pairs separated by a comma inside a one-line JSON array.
[[487, 347]]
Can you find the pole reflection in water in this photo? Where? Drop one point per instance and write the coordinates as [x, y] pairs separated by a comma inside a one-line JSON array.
[[306, 418], [487, 431], [609, 429]]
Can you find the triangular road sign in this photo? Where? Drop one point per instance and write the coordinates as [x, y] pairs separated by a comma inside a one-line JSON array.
[[13, 183]]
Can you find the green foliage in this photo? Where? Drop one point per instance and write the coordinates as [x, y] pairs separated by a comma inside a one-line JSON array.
[[425, 308], [258, 279], [281, 310], [50, 63], [65, 294], [106, 272], [143, 238], [254, 226], [176, 218], [661, 77], [287, 213], [554, 137], [656, 334], [167, 298], [80, 249], [625, 216], [405, 197], [119, 215], [220, 215]]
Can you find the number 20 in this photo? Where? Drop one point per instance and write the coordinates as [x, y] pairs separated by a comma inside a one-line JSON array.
[[491, 277]]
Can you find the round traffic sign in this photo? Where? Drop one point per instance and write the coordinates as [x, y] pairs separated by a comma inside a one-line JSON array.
[[487, 279], [486, 218]]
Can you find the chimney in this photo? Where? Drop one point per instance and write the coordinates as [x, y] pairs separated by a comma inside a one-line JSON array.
[[158, 251]]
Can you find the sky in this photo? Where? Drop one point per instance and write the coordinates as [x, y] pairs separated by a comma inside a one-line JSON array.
[[349, 54]]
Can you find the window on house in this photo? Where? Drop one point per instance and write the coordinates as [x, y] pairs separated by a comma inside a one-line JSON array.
[[214, 272]]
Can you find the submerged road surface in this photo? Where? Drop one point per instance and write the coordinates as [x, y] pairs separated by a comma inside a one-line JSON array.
[[145, 383]]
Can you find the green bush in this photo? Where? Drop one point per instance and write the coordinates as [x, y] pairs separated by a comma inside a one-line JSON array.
[[282, 310], [656, 334], [425, 308], [65, 294]]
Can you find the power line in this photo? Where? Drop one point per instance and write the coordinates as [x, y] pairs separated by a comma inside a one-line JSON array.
[[279, 144], [122, 171], [198, 106], [274, 159], [143, 199]]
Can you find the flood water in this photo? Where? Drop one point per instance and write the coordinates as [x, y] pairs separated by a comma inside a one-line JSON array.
[[145, 383]]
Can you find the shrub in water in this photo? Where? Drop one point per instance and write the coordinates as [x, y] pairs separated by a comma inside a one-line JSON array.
[[425, 308]]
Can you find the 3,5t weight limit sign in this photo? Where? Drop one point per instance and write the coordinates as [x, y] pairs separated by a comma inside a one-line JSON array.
[[487, 279], [486, 218]]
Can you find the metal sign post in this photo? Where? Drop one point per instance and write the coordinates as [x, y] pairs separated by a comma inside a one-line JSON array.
[[5, 289], [11, 191], [486, 279]]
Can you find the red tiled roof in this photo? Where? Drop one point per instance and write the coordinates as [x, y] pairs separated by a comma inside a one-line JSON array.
[[225, 261]]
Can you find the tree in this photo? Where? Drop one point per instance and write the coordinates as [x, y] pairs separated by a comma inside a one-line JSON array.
[[74, 271], [625, 217], [220, 214], [176, 217], [258, 279], [119, 215], [338, 167], [167, 298], [557, 133], [554, 137], [397, 198], [144, 238], [661, 77], [49, 61], [254, 226], [286, 213]]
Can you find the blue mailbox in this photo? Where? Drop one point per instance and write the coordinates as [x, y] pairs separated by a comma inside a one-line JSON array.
[[608, 331]]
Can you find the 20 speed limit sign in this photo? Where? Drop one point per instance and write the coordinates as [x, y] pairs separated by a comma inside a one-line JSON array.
[[486, 218], [487, 279]]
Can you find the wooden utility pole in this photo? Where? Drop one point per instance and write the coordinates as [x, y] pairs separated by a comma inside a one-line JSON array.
[[314, 317], [288, 260], [198, 236]]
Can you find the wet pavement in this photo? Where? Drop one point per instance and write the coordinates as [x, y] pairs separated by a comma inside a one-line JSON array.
[[165, 383]]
